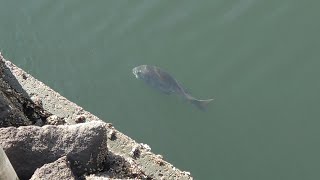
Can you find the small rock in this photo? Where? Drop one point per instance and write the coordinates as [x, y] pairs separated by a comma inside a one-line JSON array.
[[24, 76], [112, 135], [80, 119], [186, 173], [55, 120], [109, 125], [159, 156], [135, 152], [145, 146], [37, 101]]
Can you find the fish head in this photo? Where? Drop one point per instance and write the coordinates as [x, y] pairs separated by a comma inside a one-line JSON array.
[[140, 72]]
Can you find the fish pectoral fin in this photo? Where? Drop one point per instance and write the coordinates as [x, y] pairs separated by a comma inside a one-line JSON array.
[[201, 104]]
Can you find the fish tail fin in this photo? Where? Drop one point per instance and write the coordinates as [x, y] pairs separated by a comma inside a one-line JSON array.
[[201, 104]]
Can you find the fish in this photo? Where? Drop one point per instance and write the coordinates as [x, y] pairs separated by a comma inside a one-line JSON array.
[[161, 80]]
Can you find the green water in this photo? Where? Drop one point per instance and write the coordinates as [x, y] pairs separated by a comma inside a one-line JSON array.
[[259, 59]]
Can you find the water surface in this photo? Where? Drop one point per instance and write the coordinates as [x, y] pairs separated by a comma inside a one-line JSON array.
[[258, 59]]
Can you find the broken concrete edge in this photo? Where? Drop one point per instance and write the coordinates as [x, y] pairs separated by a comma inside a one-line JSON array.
[[119, 144]]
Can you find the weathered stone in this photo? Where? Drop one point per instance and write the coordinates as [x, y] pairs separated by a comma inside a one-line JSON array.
[[55, 120], [59, 169], [30, 147], [80, 119]]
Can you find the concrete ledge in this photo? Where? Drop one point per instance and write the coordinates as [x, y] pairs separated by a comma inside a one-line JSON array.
[[134, 154]]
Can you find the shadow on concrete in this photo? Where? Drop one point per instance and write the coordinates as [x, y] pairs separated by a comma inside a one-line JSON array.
[[12, 81], [16, 106]]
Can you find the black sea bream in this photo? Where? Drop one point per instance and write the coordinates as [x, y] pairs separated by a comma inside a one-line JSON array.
[[163, 81]]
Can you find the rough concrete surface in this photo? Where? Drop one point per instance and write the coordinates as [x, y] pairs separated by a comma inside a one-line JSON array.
[[138, 160], [58, 170], [84, 144], [118, 167]]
